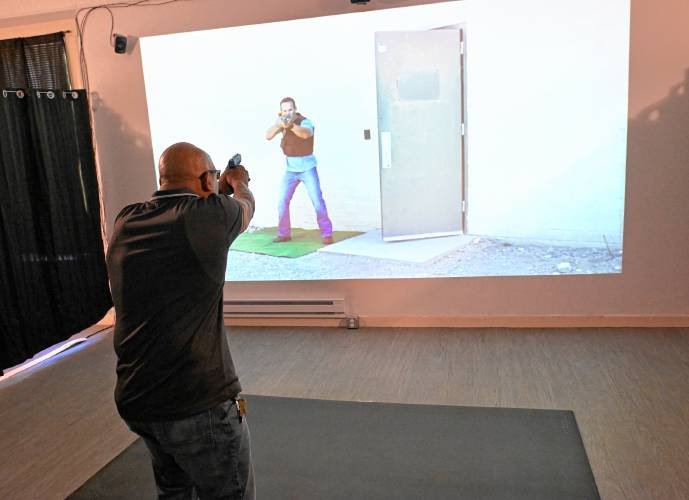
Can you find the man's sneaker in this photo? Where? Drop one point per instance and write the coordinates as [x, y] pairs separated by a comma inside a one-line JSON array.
[[281, 239], [328, 240]]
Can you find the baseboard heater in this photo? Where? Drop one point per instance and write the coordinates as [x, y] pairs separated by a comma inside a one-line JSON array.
[[267, 308]]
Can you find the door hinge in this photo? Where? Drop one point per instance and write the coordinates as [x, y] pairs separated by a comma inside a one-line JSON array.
[[462, 128], [461, 47], [464, 206]]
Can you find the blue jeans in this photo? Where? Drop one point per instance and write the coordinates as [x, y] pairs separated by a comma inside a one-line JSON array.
[[289, 184], [205, 456]]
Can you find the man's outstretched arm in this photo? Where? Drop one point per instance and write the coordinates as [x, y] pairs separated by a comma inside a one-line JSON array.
[[274, 130], [244, 196], [302, 132], [238, 178]]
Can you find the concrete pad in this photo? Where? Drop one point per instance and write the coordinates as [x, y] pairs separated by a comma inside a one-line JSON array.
[[371, 244]]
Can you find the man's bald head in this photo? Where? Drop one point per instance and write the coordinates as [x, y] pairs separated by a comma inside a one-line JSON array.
[[183, 162]]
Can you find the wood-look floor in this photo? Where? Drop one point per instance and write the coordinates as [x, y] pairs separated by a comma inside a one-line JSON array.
[[629, 389]]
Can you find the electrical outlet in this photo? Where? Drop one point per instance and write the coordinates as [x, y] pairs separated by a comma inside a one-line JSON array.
[[352, 322]]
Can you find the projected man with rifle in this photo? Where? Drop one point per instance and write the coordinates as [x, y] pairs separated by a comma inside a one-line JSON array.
[[297, 144]]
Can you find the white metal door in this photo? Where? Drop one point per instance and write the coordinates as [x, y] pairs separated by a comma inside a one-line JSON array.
[[418, 78]]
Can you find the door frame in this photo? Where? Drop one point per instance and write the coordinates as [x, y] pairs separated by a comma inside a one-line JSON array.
[[464, 169]]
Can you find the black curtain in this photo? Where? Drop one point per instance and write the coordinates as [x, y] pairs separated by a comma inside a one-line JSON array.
[[53, 281], [38, 62]]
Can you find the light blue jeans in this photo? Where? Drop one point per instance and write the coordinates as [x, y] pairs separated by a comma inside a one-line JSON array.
[[289, 184]]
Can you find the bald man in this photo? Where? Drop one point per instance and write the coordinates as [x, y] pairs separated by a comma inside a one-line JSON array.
[[177, 386]]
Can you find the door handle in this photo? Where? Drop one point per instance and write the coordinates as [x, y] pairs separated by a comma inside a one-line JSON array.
[[386, 149]]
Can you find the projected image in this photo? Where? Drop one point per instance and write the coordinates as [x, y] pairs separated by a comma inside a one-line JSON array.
[[473, 138]]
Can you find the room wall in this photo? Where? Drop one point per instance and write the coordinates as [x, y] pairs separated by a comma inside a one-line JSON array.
[[655, 279]]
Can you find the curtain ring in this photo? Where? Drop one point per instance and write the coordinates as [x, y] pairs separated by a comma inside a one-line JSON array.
[[4, 93], [50, 94], [20, 94]]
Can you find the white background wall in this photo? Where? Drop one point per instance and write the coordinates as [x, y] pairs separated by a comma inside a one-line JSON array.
[[547, 106], [237, 77], [655, 277], [547, 113]]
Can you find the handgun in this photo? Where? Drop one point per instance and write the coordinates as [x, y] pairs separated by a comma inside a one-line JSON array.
[[233, 162]]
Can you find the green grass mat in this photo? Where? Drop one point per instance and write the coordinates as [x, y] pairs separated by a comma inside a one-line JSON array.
[[304, 242]]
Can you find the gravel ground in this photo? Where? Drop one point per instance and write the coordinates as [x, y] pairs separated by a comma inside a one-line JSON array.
[[483, 257]]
